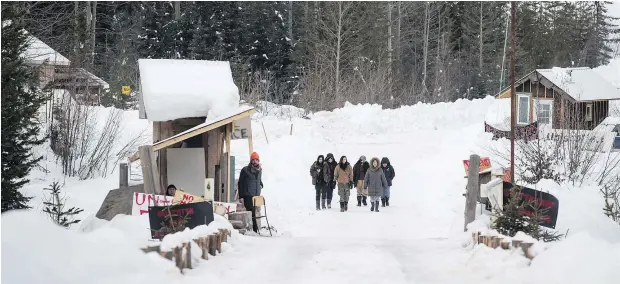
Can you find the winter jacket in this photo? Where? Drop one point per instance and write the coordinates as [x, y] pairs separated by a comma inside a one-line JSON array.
[[250, 181], [388, 171], [316, 171], [359, 170], [343, 176], [328, 169], [375, 180]]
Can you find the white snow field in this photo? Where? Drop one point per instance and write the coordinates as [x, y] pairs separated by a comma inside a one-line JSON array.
[[418, 239]]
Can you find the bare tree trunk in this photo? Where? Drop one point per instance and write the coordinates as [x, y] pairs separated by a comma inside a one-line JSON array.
[[290, 22], [398, 50], [389, 30], [338, 37], [426, 28], [480, 52], [177, 10]]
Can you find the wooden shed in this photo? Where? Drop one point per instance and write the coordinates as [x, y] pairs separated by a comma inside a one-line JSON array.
[[565, 98], [191, 143]]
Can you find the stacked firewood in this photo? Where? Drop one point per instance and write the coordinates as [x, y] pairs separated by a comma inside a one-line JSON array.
[[182, 255]]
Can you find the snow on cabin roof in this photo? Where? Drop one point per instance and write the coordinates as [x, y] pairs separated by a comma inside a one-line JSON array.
[[583, 83], [38, 52], [175, 88]]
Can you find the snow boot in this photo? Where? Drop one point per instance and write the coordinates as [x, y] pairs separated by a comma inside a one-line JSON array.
[[372, 206], [329, 204], [318, 205], [359, 201], [346, 206], [364, 200], [341, 206], [376, 206], [387, 201], [382, 201], [323, 204]]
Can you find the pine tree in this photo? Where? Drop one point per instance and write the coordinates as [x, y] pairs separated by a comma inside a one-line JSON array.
[[21, 100], [55, 208]]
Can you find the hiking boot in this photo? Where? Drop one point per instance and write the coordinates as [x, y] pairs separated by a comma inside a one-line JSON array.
[[372, 206], [382, 201], [318, 205], [329, 204], [323, 204], [376, 206], [364, 200], [341, 206], [346, 206], [359, 201], [387, 201]]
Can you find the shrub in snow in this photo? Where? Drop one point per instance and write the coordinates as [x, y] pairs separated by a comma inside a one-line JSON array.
[[511, 220], [55, 208], [612, 202]]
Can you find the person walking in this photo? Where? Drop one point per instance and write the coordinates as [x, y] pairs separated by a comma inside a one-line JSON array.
[[328, 175], [359, 172], [376, 183], [318, 180], [343, 175], [389, 173], [250, 184]]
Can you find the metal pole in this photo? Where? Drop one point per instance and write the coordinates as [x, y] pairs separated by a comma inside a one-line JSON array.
[[513, 25]]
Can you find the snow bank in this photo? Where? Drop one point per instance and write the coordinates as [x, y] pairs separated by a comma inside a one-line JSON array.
[[171, 241], [174, 89], [35, 250], [498, 115]]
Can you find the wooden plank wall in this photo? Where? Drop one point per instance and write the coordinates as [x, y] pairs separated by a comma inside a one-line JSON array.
[[162, 130]]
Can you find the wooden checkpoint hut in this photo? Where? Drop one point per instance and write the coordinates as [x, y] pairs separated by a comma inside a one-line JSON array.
[[195, 111], [565, 98]]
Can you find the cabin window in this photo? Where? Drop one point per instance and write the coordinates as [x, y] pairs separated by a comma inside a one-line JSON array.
[[589, 112], [543, 112], [523, 115]]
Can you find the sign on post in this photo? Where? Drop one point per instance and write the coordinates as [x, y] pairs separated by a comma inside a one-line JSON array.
[[142, 202], [126, 90], [485, 164], [241, 129]]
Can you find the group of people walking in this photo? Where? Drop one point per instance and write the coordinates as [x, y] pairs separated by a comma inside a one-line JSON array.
[[371, 180]]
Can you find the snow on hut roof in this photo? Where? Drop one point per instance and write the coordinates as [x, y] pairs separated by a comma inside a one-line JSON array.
[[38, 52], [175, 88], [583, 83]]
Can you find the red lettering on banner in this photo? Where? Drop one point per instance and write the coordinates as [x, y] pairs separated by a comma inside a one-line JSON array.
[[136, 198]]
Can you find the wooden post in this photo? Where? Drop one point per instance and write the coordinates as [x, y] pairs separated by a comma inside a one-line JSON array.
[[472, 190], [513, 100], [227, 186], [250, 137], [149, 170], [291, 129], [265, 133], [123, 175]]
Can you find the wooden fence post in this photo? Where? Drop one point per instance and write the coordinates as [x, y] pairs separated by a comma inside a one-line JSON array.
[[473, 190], [123, 175]]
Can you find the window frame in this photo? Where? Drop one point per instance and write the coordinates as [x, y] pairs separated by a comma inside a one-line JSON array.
[[527, 115]]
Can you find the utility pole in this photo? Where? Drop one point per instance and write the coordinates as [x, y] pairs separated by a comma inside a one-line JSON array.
[[513, 94]]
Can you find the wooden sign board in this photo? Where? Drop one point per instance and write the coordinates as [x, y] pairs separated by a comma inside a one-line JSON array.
[[182, 197], [485, 164], [126, 90], [242, 129]]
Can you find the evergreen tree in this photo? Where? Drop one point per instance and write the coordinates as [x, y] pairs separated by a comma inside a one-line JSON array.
[[55, 208], [21, 100]]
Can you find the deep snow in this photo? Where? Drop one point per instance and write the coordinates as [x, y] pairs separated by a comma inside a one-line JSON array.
[[418, 239]]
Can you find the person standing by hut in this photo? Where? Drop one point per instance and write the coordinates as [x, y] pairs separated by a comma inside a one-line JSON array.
[[359, 172], [328, 175], [318, 180], [343, 174], [376, 183], [389, 173], [250, 184]]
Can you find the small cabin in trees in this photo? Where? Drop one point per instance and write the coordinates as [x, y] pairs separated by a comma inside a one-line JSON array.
[[565, 98], [195, 111]]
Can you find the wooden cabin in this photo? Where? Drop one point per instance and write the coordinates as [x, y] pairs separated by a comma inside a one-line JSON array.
[[565, 98], [191, 144]]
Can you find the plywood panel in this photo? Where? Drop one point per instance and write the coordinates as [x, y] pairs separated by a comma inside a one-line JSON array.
[[186, 167]]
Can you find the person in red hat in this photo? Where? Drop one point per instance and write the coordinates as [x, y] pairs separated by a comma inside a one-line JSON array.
[[250, 184]]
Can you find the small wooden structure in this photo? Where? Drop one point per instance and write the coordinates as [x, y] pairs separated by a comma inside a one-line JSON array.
[[566, 98], [192, 137]]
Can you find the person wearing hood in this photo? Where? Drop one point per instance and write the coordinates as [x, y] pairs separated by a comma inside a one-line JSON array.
[[359, 172], [250, 184], [328, 176], [388, 170], [376, 183], [343, 175], [318, 180]]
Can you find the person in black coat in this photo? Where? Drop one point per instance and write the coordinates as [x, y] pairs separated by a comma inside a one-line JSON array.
[[250, 184], [388, 170], [359, 173], [328, 175], [318, 180]]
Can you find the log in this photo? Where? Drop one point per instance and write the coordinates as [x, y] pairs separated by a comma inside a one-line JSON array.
[[516, 244], [219, 237], [473, 190], [201, 244], [188, 255], [223, 234], [496, 242], [526, 249], [244, 216], [242, 231], [178, 257], [505, 245], [237, 224], [212, 244], [480, 239]]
